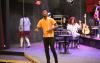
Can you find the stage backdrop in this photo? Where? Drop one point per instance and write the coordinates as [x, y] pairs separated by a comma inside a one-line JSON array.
[[90, 4], [1, 29], [33, 11], [14, 11]]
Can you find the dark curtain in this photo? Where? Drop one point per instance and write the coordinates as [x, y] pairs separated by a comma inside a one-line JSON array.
[[1, 29], [4, 20]]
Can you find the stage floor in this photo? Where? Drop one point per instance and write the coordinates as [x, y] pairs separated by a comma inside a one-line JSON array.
[[84, 54]]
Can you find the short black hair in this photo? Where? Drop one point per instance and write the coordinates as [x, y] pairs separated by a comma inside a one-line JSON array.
[[45, 9], [25, 15]]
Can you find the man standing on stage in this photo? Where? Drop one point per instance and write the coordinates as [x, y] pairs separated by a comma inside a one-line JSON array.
[[24, 28], [48, 25]]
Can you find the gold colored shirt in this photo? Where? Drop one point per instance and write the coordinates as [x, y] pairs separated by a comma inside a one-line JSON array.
[[46, 25]]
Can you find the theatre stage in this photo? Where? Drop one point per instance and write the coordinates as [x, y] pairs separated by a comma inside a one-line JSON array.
[[84, 54]]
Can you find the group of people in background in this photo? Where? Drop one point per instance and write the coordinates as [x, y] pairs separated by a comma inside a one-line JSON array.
[[48, 25]]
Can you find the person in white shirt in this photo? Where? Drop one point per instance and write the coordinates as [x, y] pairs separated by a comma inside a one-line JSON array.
[[73, 28], [24, 29]]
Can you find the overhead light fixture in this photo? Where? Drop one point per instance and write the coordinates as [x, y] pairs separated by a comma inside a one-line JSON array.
[[69, 1]]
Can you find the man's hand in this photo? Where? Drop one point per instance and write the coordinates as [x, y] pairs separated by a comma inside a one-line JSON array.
[[98, 19], [36, 30], [53, 28]]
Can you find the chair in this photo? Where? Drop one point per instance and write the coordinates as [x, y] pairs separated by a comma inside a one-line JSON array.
[[61, 41], [74, 41], [57, 38]]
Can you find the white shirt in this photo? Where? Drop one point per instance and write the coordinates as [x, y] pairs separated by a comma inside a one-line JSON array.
[[73, 29], [24, 24], [96, 14]]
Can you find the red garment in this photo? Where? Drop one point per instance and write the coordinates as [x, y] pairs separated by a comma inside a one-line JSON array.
[[25, 33]]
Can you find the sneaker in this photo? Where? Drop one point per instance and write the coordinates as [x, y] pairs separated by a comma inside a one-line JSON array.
[[28, 46], [98, 36], [20, 47]]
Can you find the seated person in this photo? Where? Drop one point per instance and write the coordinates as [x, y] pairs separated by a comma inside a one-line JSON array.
[[73, 28]]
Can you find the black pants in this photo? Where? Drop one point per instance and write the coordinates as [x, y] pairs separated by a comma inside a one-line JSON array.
[[49, 41]]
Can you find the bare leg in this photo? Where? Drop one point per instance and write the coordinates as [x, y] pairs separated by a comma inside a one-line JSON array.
[[28, 42], [21, 42]]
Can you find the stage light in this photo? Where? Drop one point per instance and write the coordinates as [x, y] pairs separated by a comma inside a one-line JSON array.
[[70, 1]]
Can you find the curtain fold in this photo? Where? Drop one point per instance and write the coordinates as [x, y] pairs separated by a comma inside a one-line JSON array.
[[1, 29]]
